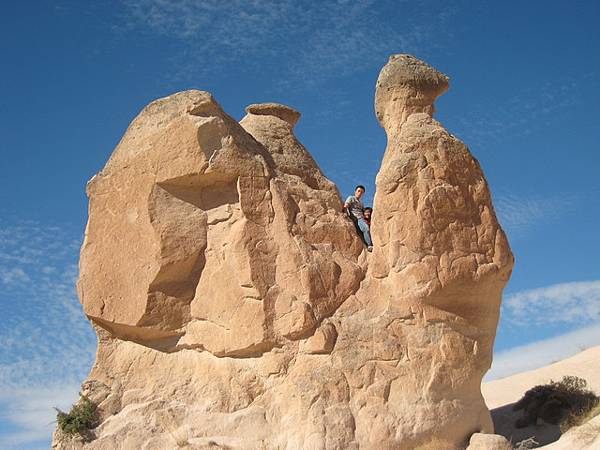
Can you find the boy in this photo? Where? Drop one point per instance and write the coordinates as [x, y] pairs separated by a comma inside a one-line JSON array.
[[367, 213], [355, 209]]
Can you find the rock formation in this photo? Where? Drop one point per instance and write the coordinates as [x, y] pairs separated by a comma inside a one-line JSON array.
[[236, 306]]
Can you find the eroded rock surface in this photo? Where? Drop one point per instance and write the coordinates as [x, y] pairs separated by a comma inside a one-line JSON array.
[[236, 306], [202, 237]]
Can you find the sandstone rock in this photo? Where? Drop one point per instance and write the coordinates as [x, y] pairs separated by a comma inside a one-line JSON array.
[[322, 341], [480, 441], [235, 304], [213, 244]]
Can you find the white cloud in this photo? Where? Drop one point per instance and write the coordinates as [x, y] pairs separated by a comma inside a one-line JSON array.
[[31, 411], [565, 303], [542, 353], [559, 306], [47, 344]]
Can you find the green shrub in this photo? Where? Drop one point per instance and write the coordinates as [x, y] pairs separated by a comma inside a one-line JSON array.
[[563, 402], [79, 420]]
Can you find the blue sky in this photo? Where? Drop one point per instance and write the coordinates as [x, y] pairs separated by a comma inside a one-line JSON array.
[[524, 96]]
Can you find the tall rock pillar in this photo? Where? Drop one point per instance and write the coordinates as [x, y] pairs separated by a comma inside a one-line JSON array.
[[436, 275]]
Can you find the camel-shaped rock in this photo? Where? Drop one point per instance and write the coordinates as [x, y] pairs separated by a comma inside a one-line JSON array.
[[236, 307]]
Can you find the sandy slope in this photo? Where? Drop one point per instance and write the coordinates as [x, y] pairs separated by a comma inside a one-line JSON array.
[[501, 394]]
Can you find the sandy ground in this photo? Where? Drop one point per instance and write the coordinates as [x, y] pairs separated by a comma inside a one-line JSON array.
[[501, 394]]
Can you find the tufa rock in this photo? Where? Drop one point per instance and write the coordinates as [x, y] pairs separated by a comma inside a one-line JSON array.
[[236, 306]]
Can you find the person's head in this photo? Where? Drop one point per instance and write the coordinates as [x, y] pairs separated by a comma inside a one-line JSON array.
[[359, 191], [367, 212]]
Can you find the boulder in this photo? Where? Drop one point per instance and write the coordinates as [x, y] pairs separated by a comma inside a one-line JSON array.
[[480, 441]]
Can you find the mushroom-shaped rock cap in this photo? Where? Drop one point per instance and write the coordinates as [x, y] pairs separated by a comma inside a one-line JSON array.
[[406, 85], [283, 112], [408, 70]]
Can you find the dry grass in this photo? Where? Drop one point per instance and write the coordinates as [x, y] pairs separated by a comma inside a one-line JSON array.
[[526, 444], [580, 419]]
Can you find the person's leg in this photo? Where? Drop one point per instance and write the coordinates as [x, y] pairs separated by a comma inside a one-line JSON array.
[[366, 232]]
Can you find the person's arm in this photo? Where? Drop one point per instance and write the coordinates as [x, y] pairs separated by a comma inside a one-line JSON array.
[[347, 205]]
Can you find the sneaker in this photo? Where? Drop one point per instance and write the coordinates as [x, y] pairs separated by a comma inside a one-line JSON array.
[[370, 248]]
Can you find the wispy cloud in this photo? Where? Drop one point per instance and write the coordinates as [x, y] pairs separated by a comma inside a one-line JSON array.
[[305, 40], [47, 344], [31, 411], [519, 214], [571, 311], [531, 108], [567, 303], [13, 276], [544, 352], [528, 110]]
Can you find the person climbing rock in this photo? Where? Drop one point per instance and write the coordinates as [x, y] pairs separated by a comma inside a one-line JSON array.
[[355, 209], [368, 212]]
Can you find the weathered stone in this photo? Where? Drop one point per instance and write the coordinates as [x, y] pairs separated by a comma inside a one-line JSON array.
[[282, 112], [208, 234], [235, 303], [322, 341], [480, 441]]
